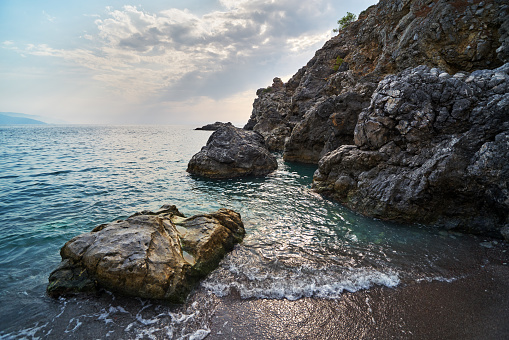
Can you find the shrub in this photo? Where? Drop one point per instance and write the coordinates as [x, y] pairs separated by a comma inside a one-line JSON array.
[[345, 21], [338, 63]]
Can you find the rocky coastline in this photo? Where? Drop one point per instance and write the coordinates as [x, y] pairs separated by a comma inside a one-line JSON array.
[[406, 113]]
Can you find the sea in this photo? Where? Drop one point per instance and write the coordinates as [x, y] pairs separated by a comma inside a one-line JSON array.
[[57, 182]]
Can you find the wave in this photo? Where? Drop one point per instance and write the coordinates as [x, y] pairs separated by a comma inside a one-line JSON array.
[[323, 283]]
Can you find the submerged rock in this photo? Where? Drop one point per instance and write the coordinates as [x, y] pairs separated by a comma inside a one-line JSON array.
[[233, 152], [214, 126], [156, 255], [432, 148]]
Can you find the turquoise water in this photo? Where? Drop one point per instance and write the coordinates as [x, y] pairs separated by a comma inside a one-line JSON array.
[[59, 181]]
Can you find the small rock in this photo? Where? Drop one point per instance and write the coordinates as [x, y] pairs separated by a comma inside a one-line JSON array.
[[214, 126], [488, 245]]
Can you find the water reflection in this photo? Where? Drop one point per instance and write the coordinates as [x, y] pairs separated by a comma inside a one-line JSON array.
[[58, 182]]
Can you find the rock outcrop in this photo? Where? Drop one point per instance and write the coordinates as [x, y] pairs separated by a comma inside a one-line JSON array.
[[156, 255], [431, 148], [233, 152], [405, 111], [214, 126], [317, 109]]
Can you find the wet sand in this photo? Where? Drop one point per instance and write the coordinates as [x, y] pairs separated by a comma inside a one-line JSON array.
[[475, 306]]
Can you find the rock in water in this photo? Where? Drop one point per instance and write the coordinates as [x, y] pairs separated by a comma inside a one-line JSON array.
[[233, 152], [151, 255], [214, 126], [430, 148]]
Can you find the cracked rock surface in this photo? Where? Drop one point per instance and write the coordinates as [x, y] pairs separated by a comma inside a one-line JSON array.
[[156, 255], [431, 148], [315, 112]]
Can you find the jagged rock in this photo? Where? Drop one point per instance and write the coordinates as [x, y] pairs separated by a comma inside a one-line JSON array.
[[269, 115], [306, 118], [326, 126], [233, 152], [157, 255], [432, 148], [214, 126]]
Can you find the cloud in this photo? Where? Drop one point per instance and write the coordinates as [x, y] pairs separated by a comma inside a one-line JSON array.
[[49, 17], [175, 56]]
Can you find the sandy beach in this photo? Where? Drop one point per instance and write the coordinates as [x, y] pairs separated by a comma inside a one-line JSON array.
[[475, 306]]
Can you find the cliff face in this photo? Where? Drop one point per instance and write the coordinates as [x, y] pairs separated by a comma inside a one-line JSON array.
[[406, 111], [316, 110], [431, 148]]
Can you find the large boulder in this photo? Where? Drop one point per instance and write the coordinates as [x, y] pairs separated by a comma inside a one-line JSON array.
[[432, 148], [233, 152], [156, 255]]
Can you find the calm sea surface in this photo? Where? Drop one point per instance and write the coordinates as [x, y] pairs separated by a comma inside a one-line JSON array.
[[60, 181]]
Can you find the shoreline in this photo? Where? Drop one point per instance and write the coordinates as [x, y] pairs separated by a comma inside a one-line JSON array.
[[475, 306]]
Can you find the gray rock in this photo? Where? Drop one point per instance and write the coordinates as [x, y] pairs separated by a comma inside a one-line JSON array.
[[429, 149], [269, 116], [214, 126], [305, 118], [151, 255], [233, 152]]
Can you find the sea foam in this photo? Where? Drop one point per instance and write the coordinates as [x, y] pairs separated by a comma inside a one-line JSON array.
[[292, 286]]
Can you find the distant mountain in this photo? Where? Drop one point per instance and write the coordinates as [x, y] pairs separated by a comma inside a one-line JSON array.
[[7, 119]]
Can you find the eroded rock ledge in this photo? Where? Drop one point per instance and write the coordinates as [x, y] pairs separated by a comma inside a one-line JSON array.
[[432, 148], [156, 255], [233, 152]]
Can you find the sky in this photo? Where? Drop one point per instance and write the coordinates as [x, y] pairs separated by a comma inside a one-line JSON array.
[[155, 62]]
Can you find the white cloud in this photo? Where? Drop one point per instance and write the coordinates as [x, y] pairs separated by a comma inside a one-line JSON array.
[[49, 17], [141, 55], [175, 58]]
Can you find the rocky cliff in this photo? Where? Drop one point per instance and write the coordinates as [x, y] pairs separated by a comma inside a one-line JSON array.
[[316, 110], [406, 112], [431, 148]]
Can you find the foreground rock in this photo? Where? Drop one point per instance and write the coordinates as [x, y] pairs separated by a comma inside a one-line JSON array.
[[214, 126], [157, 255], [431, 148], [233, 152]]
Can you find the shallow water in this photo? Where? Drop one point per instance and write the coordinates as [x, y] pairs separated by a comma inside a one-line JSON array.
[[59, 181]]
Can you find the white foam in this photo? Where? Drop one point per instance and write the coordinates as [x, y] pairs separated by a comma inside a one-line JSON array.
[[436, 278], [78, 324], [27, 333], [295, 285]]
